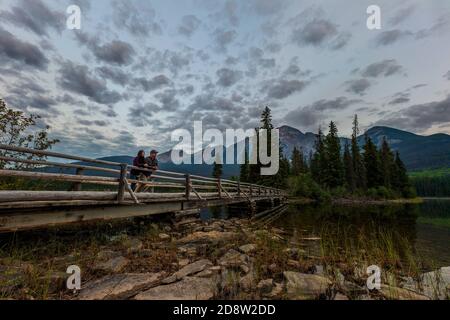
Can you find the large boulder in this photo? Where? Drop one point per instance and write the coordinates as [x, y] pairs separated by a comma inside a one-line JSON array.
[[114, 265], [190, 288], [233, 259], [436, 284], [188, 270], [302, 286], [211, 236], [120, 286], [395, 293]]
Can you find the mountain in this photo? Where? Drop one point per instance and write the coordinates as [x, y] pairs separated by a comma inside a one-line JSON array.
[[418, 152]]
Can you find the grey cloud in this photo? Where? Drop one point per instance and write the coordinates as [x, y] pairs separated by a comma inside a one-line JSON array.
[[189, 24], [89, 123], [266, 7], [110, 113], [153, 83], [421, 116], [340, 41], [114, 52], [15, 50], [141, 115], [310, 116], [399, 98], [35, 16], [339, 103], [158, 61], [115, 75], [389, 37], [223, 38], [231, 11], [402, 15], [282, 88], [383, 68], [358, 86], [168, 100], [78, 79], [228, 77], [139, 18], [315, 32], [441, 26], [447, 75], [25, 101]]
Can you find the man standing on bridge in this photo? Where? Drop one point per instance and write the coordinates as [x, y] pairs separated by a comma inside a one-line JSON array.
[[150, 163]]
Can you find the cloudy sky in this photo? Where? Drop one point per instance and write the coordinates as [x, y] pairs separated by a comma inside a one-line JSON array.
[[139, 69]]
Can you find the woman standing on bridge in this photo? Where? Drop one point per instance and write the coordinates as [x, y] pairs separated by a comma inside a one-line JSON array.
[[140, 162]]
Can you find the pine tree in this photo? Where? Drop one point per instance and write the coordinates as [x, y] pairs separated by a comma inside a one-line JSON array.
[[298, 163], [400, 180], [358, 164], [244, 172], [319, 159], [350, 181], [217, 170], [372, 164], [387, 163], [333, 169]]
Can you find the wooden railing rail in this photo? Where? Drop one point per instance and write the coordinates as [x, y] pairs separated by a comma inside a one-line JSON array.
[[162, 179]]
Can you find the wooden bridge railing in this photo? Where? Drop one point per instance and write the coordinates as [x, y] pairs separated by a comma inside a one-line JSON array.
[[118, 174]]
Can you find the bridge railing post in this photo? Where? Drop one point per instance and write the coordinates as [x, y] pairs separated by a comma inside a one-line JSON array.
[[188, 186], [239, 187], [122, 182], [219, 187], [77, 185]]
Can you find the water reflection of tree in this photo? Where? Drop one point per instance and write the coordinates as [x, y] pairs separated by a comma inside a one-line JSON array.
[[350, 229]]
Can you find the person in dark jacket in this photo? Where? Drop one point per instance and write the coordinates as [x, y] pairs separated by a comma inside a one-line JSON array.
[[140, 162]]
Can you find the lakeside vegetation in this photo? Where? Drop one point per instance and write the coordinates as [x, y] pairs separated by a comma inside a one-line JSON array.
[[432, 182], [329, 172]]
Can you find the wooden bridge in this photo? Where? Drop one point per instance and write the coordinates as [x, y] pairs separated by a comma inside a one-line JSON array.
[[165, 192]]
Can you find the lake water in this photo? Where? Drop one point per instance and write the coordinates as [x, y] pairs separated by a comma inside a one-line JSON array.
[[424, 228]]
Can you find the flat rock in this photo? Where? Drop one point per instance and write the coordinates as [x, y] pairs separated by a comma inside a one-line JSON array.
[[107, 254], [114, 265], [211, 236], [265, 286], [248, 248], [395, 293], [233, 258], [247, 282], [55, 281], [340, 297], [190, 288], [436, 284], [302, 286], [276, 292], [188, 270], [120, 286]]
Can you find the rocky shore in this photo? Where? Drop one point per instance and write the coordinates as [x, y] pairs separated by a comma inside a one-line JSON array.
[[217, 259]]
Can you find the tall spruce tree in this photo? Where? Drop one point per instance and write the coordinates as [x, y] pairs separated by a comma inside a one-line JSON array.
[[319, 159], [217, 170], [298, 163], [350, 180], [400, 180], [358, 164], [244, 172], [371, 163], [386, 163], [334, 171]]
